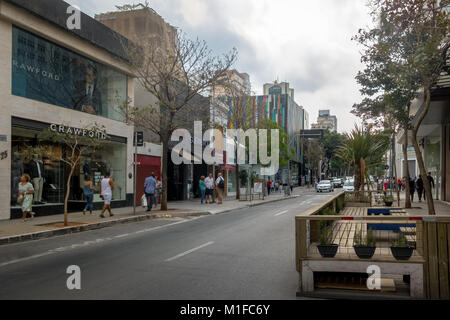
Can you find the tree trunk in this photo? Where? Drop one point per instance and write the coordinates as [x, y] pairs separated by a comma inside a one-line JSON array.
[[363, 173], [357, 180], [238, 183], [406, 167], [165, 143], [423, 172], [66, 198], [394, 156]]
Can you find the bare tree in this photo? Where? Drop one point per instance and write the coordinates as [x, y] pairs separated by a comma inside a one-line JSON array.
[[174, 77], [240, 113], [79, 143]]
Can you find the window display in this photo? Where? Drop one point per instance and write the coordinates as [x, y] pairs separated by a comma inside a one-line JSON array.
[[44, 71], [35, 156]]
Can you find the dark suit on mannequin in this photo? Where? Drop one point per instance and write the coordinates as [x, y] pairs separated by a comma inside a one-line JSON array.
[[37, 177]]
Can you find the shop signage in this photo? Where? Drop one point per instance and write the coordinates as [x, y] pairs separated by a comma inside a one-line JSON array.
[[60, 129]]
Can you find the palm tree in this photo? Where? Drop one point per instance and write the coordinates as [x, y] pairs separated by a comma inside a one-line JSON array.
[[363, 149]]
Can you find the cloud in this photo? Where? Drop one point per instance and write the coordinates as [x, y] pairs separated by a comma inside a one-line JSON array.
[[307, 43]]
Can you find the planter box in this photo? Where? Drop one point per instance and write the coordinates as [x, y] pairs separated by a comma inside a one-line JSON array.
[[364, 252], [328, 251], [402, 253]]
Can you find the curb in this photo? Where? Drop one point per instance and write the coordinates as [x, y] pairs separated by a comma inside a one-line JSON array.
[[100, 225], [87, 227], [255, 204]]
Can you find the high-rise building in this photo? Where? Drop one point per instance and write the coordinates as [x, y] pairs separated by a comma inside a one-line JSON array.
[[325, 121], [278, 88]]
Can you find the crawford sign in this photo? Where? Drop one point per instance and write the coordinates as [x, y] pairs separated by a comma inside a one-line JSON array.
[[60, 129]]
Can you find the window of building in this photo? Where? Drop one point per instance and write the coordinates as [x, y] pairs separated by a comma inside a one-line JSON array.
[[44, 71], [38, 158]]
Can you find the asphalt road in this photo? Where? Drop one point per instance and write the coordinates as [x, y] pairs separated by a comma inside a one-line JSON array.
[[244, 254]]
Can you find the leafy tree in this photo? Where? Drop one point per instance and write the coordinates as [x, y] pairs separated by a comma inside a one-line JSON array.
[[404, 55], [314, 153], [331, 142], [285, 154], [363, 149]]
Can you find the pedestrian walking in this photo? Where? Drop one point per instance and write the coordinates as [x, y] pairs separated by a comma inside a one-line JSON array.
[[209, 182], [386, 184], [430, 181], [400, 184], [269, 186], [412, 189], [150, 189], [220, 187], [106, 188], [419, 187], [281, 186], [202, 186], [88, 190], [291, 185], [25, 197]]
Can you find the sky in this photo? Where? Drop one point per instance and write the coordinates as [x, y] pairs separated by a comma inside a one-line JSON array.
[[303, 42]]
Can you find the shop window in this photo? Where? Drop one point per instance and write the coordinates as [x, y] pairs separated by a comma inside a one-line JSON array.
[[37, 157], [44, 71]]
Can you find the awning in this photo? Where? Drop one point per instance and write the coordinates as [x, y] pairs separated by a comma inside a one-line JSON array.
[[227, 167]]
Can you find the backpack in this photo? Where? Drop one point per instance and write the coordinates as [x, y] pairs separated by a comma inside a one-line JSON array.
[[221, 183]]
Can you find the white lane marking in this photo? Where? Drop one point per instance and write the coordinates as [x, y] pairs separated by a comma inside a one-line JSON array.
[[88, 243], [27, 258], [190, 251], [280, 213]]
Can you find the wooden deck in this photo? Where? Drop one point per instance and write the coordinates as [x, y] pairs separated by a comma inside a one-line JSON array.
[[344, 232]]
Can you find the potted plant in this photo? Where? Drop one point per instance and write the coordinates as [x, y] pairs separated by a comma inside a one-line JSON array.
[[400, 249], [364, 246], [388, 200], [326, 247]]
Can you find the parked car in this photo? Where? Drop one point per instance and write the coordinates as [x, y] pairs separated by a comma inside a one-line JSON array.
[[325, 185], [349, 186], [337, 183]]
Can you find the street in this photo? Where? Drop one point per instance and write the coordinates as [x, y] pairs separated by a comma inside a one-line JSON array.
[[243, 254]]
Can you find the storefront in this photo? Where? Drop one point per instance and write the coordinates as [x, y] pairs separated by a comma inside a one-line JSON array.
[[43, 160], [54, 79]]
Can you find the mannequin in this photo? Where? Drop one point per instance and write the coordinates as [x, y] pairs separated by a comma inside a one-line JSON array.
[[87, 167], [16, 173], [37, 177]]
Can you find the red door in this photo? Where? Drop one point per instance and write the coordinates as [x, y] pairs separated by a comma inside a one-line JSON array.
[[147, 165]]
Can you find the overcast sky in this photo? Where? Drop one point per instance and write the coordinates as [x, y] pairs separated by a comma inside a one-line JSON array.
[[306, 43]]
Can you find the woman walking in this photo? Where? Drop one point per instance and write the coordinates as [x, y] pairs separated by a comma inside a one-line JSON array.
[[106, 187], [88, 190], [202, 186], [26, 192]]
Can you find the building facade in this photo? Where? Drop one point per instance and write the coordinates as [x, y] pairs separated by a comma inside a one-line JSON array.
[[291, 117], [65, 81], [325, 121]]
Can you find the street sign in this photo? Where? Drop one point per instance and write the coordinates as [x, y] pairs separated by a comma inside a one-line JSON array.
[[311, 134], [139, 139]]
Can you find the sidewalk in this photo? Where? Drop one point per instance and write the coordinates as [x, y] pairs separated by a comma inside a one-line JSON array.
[[421, 209], [44, 227]]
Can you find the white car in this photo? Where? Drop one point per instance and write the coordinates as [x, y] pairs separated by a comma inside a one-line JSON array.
[[349, 186], [325, 185]]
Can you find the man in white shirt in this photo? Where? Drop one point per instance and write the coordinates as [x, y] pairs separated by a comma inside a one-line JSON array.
[[209, 182], [220, 186]]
